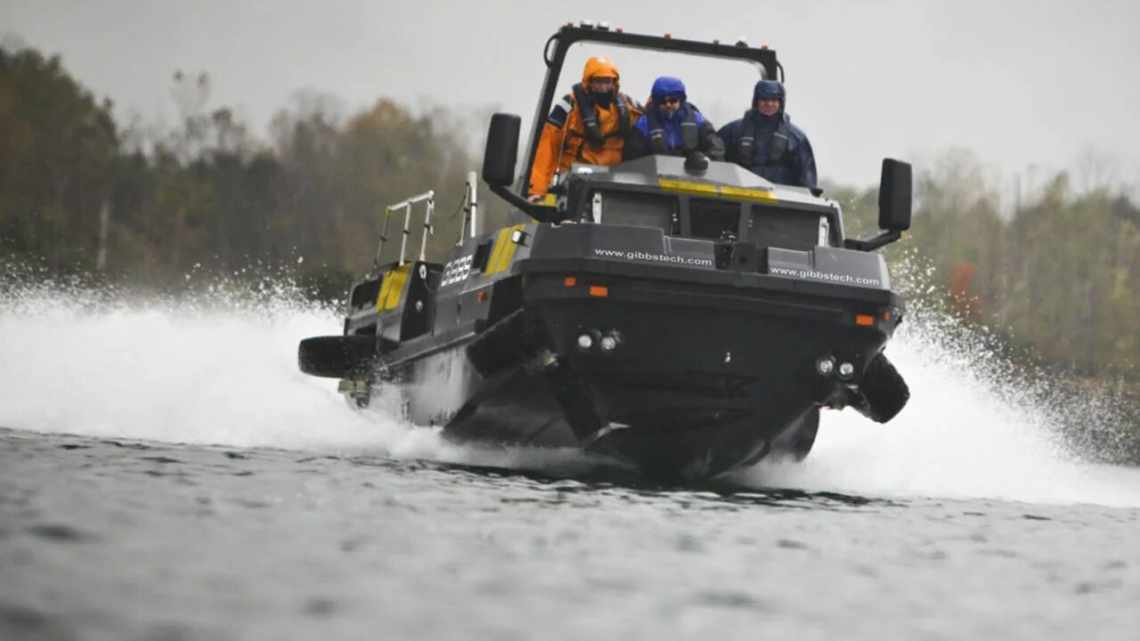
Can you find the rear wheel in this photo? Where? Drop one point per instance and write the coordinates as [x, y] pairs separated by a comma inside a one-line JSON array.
[[884, 389], [336, 356]]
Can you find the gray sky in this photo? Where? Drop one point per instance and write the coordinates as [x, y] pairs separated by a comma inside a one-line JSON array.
[[1020, 83]]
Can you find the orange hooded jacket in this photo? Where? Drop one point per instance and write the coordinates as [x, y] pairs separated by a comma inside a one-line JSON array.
[[564, 138]]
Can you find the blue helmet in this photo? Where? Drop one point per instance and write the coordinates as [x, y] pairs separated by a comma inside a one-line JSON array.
[[666, 86], [769, 89]]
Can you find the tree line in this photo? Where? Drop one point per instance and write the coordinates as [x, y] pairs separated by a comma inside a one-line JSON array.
[[79, 193], [1059, 273]]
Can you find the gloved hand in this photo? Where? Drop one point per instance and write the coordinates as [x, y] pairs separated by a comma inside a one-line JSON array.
[[696, 162]]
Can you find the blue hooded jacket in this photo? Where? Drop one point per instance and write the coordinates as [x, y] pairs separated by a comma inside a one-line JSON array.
[[671, 125], [770, 146]]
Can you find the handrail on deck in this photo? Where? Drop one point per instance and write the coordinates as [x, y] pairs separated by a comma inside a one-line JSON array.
[[406, 205], [470, 208]]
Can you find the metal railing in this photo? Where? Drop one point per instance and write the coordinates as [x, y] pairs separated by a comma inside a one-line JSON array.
[[470, 208], [469, 228], [406, 205]]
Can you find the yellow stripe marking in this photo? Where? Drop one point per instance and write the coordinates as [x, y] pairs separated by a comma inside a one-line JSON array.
[[687, 186], [746, 193], [504, 250], [713, 189], [392, 288]]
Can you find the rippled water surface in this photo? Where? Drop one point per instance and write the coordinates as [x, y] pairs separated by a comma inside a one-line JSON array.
[[119, 539], [165, 473]]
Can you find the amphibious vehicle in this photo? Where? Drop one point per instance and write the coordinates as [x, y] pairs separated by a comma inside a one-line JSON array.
[[689, 318]]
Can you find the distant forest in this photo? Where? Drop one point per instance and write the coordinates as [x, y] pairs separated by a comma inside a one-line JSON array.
[[81, 194]]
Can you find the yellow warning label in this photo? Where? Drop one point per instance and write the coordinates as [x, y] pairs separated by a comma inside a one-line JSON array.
[[392, 288], [504, 251]]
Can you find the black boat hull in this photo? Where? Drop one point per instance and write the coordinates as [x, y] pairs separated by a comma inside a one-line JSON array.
[[704, 378], [664, 352]]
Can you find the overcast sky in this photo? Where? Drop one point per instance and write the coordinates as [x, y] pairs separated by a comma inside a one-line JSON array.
[[1023, 84]]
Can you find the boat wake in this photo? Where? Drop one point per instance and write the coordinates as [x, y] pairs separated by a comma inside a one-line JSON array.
[[959, 437], [221, 369]]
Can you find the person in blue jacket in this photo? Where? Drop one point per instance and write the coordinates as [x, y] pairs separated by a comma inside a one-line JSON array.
[[672, 126], [766, 142]]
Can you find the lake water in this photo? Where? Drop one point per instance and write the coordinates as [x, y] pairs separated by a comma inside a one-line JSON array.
[[166, 473]]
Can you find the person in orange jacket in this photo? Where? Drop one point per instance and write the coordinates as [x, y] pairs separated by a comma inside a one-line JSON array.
[[588, 125]]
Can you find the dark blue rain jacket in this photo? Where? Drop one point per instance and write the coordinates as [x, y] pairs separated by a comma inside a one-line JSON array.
[[658, 133], [770, 146], [781, 151], [671, 125]]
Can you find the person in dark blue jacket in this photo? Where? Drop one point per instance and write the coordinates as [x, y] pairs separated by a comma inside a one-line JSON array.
[[672, 126], [766, 142]]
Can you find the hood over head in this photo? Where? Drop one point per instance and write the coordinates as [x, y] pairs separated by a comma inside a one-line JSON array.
[[666, 86], [770, 89], [600, 66]]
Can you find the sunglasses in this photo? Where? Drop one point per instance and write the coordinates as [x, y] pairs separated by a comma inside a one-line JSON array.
[[671, 100]]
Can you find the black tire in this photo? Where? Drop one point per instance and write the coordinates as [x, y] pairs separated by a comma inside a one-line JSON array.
[[336, 356], [884, 389]]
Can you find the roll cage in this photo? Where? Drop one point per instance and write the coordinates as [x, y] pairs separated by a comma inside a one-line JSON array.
[[556, 47]]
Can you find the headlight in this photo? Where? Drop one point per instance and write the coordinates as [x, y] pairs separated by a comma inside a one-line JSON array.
[[825, 365]]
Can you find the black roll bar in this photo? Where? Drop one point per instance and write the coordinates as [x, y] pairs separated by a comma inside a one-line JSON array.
[[571, 34]]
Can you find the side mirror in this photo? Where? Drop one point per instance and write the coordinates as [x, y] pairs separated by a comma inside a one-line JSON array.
[[499, 160], [894, 206], [501, 154], [895, 195]]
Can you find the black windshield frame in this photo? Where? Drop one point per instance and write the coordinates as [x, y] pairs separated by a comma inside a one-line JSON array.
[[557, 46]]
